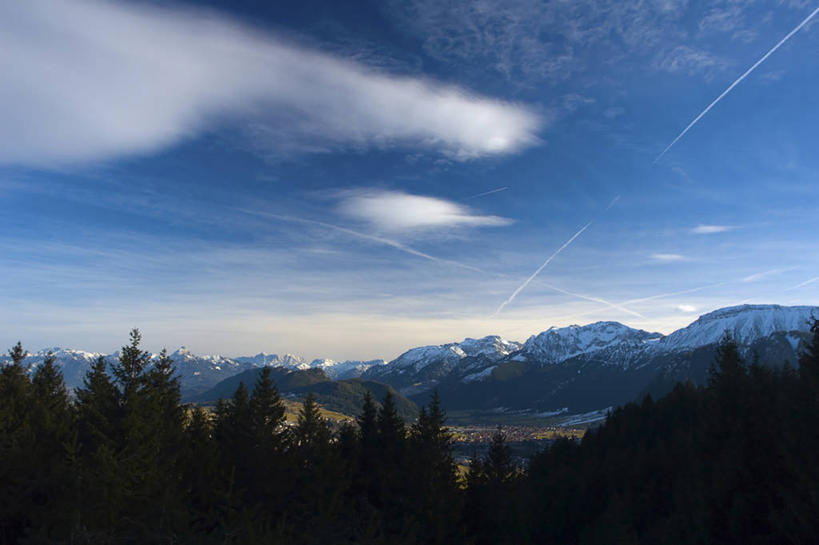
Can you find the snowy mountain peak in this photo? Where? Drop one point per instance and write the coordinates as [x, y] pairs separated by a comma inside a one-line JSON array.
[[745, 323], [340, 370], [492, 347], [558, 344]]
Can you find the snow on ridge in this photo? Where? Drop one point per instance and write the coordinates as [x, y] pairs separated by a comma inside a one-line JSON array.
[[558, 344], [480, 375], [492, 346], [339, 370], [745, 324]]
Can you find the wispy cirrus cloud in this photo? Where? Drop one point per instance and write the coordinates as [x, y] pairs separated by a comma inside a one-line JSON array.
[[526, 41], [95, 80], [704, 229], [722, 19], [397, 211], [690, 60], [668, 258], [686, 308]]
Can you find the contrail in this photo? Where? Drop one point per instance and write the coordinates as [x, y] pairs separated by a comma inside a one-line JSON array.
[[803, 284], [671, 294], [612, 203], [498, 190], [385, 241], [534, 274], [597, 300], [742, 77]]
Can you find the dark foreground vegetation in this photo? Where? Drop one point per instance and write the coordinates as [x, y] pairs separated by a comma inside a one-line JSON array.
[[123, 461]]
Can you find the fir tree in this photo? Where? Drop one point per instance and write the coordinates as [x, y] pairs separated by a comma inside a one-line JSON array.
[[311, 433], [433, 486], [130, 365], [809, 361], [53, 480], [17, 442], [266, 408], [368, 423]]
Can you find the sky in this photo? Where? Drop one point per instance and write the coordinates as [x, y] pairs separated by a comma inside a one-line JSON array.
[[351, 179]]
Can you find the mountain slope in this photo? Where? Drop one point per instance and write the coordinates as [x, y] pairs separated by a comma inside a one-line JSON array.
[[343, 396], [618, 369]]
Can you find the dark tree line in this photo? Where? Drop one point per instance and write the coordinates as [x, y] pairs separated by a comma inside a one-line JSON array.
[[123, 461]]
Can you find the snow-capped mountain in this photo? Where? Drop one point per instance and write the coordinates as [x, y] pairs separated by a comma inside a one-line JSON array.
[[603, 363], [73, 363], [607, 364], [263, 359], [492, 347], [745, 324], [559, 344], [342, 370], [197, 373], [421, 368]]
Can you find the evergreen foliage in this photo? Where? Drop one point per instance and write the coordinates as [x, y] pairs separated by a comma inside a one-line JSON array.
[[121, 460]]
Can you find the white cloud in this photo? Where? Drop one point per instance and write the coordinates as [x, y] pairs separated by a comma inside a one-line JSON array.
[[668, 258], [91, 80], [686, 308], [710, 229], [396, 211]]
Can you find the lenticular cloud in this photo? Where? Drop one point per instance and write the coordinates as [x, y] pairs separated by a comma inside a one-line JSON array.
[[92, 80], [396, 211]]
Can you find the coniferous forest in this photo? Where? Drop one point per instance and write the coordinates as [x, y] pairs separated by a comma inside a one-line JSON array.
[[121, 460]]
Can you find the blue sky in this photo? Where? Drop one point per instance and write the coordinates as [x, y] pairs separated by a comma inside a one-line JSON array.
[[348, 180]]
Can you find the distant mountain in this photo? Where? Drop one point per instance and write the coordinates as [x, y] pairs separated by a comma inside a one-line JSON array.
[[340, 370], [591, 367], [421, 368], [576, 368], [197, 373], [559, 344]]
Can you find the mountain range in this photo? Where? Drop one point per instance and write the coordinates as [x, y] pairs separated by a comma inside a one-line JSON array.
[[568, 369]]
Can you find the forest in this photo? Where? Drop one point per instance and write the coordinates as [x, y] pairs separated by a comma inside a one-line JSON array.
[[122, 460]]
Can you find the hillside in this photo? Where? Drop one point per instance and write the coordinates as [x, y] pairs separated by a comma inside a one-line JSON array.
[[343, 396]]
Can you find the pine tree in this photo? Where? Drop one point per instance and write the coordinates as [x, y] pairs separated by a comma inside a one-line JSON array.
[[391, 430], [17, 354], [368, 423], [809, 361], [163, 411], [202, 474], [98, 408], [53, 480], [17, 442], [130, 365], [311, 434], [498, 467], [266, 409], [433, 485], [728, 368]]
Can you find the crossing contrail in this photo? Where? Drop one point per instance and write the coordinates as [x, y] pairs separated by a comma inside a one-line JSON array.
[[373, 238], [738, 80], [596, 300], [534, 274], [485, 193]]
